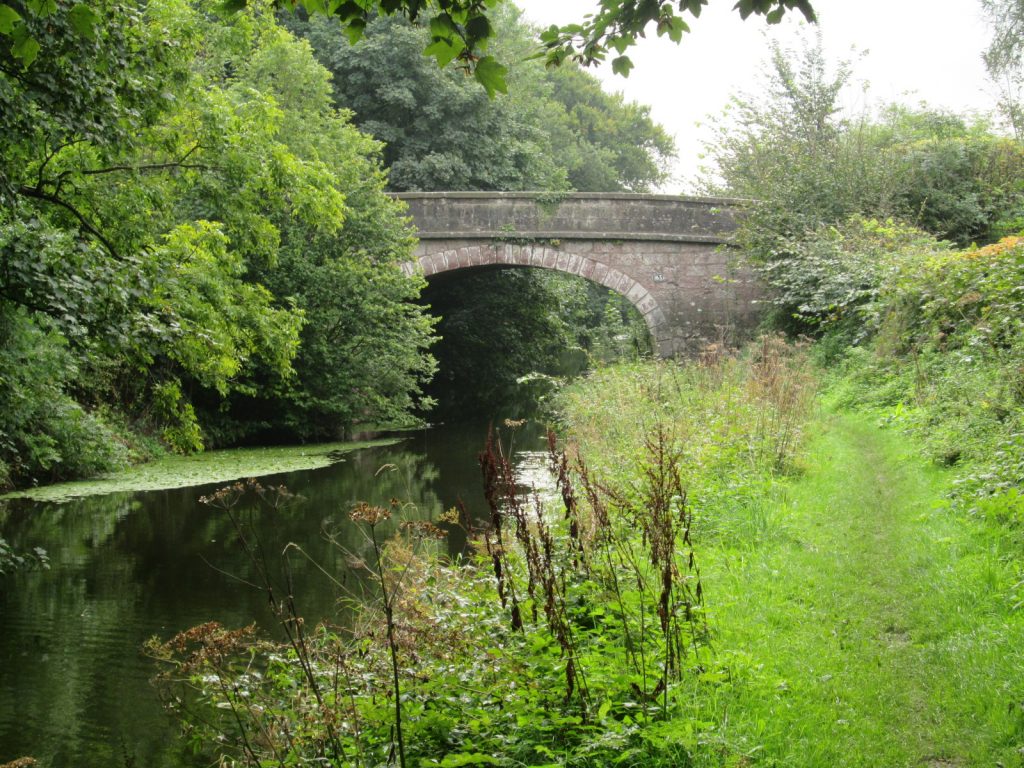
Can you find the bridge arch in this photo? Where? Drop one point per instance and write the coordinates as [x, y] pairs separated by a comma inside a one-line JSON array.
[[547, 256], [664, 253]]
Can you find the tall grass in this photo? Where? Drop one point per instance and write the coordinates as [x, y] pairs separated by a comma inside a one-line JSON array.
[[576, 636]]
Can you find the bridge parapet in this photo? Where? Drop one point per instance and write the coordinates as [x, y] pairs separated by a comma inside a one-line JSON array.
[[577, 215]]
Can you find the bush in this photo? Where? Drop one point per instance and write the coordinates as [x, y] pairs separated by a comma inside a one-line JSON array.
[[947, 360], [45, 435]]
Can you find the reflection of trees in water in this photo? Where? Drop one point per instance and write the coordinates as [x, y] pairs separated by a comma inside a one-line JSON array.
[[127, 566], [68, 634]]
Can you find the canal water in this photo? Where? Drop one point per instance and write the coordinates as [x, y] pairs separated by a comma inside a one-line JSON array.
[[74, 682]]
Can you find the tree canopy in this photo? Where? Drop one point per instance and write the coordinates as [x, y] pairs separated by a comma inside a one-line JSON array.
[[178, 244], [818, 174], [460, 30]]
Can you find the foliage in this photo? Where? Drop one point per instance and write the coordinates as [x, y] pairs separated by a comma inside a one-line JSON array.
[[571, 638], [439, 131], [616, 25], [362, 352], [44, 433], [790, 151], [494, 328], [957, 180], [606, 143], [820, 182], [352, 697], [830, 278], [946, 361], [161, 232], [552, 130]]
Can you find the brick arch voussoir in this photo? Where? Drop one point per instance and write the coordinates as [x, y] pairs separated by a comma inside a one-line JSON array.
[[546, 257]]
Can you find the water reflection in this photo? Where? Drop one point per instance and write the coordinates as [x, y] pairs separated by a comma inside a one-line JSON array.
[[73, 682]]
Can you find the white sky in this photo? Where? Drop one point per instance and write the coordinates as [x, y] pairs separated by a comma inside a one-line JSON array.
[[914, 50]]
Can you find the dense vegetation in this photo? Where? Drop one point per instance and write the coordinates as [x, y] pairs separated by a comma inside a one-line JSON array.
[[727, 575], [197, 247], [204, 237], [556, 130]]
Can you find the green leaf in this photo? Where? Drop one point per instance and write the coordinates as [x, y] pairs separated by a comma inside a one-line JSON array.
[[42, 8], [474, 758], [84, 20], [674, 28], [550, 35], [26, 49], [491, 75], [442, 26], [621, 65], [444, 51], [8, 18], [479, 28], [619, 43], [774, 17]]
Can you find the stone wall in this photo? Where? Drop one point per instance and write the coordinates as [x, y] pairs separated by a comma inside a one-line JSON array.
[[601, 215]]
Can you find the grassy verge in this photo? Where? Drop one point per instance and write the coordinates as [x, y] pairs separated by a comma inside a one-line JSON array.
[[866, 625], [859, 616]]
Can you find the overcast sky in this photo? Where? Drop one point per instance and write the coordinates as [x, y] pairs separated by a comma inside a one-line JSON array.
[[912, 51]]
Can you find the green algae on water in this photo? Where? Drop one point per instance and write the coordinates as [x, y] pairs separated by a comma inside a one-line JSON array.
[[200, 469]]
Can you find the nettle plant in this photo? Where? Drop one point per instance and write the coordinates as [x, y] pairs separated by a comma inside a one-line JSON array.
[[557, 636]]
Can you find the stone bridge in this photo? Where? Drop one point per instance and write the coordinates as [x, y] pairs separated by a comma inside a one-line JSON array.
[[664, 254]]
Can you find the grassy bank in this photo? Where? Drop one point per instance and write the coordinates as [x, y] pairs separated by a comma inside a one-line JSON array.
[[735, 577], [859, 617], [867, 624]]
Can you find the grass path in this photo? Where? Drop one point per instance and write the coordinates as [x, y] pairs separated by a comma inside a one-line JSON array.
[[863, 623]]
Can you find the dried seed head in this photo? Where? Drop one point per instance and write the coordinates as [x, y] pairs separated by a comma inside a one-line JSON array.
[[369, 514], [423, 529], [450, 516]]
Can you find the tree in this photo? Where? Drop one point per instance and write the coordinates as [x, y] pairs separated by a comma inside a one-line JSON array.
[[809, 169], [147, 238], [1004, 58], [956, 179], [791, 150], [606, 143], [439, 130]]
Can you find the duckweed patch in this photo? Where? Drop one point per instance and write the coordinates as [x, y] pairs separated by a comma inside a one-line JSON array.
[[202, 468]]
